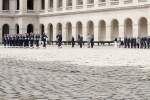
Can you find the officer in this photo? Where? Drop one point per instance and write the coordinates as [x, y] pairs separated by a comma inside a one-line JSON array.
[[125, 42], [72, 41], [128, 42], [5, 40], [44, 37], [31, 40], [59, 38], [81, 40], [92, 41], [37, 38]]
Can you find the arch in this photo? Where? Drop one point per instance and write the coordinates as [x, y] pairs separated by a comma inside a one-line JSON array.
[[143, 27], [42, 29], [128, 27], [114, 29], [50, 28], [5, 30], [30, 29], [79, 28], [5, 4], [59, 27], [90, 27], [30, 4], [102, 30], [69, 31], [17, 29]]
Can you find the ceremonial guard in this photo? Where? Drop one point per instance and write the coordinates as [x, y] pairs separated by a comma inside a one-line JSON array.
[[37, 38], [5, 40], [15, 41], [59, 38], [134, 42], [125, 42], [131, 41], [88, 40], [148, 42], [92, 41], [81, 40], [128, 42], [145, 42], [31, 40], [72, 42], [44, 37]]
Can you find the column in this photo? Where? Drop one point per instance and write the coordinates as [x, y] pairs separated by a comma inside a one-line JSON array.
[[74, 4], [1, 32], [135, 30], [148, 25], [108, 33], [108, 3], [64, 34], [96, 33], [54, 33], [96, 3], [121, 31], [12, 5], [84, 33], [74, 33], [23, 6], [85, 4], [64, 5], [46, 6], [1, 5], [55, 5]]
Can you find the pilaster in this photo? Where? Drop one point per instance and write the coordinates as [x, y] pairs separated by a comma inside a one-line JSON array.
[[64, 5], [55, 5], [64, 37], [23, 6], [121, 30], [96, 31], [135, 30], [74, 33], [85, 4], [108, 2], [96, 2], [46, 6]]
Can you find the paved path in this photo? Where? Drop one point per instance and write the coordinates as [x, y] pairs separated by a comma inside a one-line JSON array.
[[101, 73]]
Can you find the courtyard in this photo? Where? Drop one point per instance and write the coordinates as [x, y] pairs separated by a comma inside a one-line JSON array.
[[101, 73]]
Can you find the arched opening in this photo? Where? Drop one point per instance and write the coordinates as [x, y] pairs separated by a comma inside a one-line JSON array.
[[17, 5], [42, 4], [17, 29], [30, 4], [51, 32], [90, 28], [5, 30], [5, 4], [59, 27], [79, 29], [115, 29], [102, 30], [143, 27], [69, 31], [128, 27], [29, 29], [42, 29]]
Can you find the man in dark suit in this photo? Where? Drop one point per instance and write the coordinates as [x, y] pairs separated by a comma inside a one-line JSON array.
[[59, 38], [128, 42], [132, 40], [72, 41], [81, 40], [148, 42], [92, 41], [145, 42], [44, 37], [125, 42]]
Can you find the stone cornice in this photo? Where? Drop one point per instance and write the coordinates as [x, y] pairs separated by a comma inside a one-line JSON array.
[[76, 12]]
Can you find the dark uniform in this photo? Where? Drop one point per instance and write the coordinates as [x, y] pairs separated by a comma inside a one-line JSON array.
[[59, 37], [5, 40], [145, 42], [128, 42], [15, 40], [132, 42], [37, 38], [125, 42], [31, 40], [92, 41], [148, 42], [72, 41], [44, 40], [81, 40]]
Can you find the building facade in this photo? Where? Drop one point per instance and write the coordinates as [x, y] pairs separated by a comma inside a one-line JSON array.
[[106, 19]]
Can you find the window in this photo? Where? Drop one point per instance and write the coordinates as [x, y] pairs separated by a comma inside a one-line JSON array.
[[17, 8], [79, 2], [5, 4], [30, 5], [42, 4], [51, 4]]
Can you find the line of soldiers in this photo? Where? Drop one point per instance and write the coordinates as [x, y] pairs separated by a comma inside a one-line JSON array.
[[23, 40], [139, 42]]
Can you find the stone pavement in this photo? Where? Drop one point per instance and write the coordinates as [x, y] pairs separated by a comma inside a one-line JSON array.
[[101, 73]]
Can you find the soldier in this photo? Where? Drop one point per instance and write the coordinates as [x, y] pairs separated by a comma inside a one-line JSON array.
[[5, 40], [148, 42], [15, 40], [131, 41], [88, 40], [134, 42], [72, 41], [92, 41], [128, 42], [37, 38], [44, 37], [31, 40], [145, 42], [125, 42], [59, 38], [81, 40]]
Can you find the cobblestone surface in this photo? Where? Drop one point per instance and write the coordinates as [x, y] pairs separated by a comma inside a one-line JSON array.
[[101, 73]]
